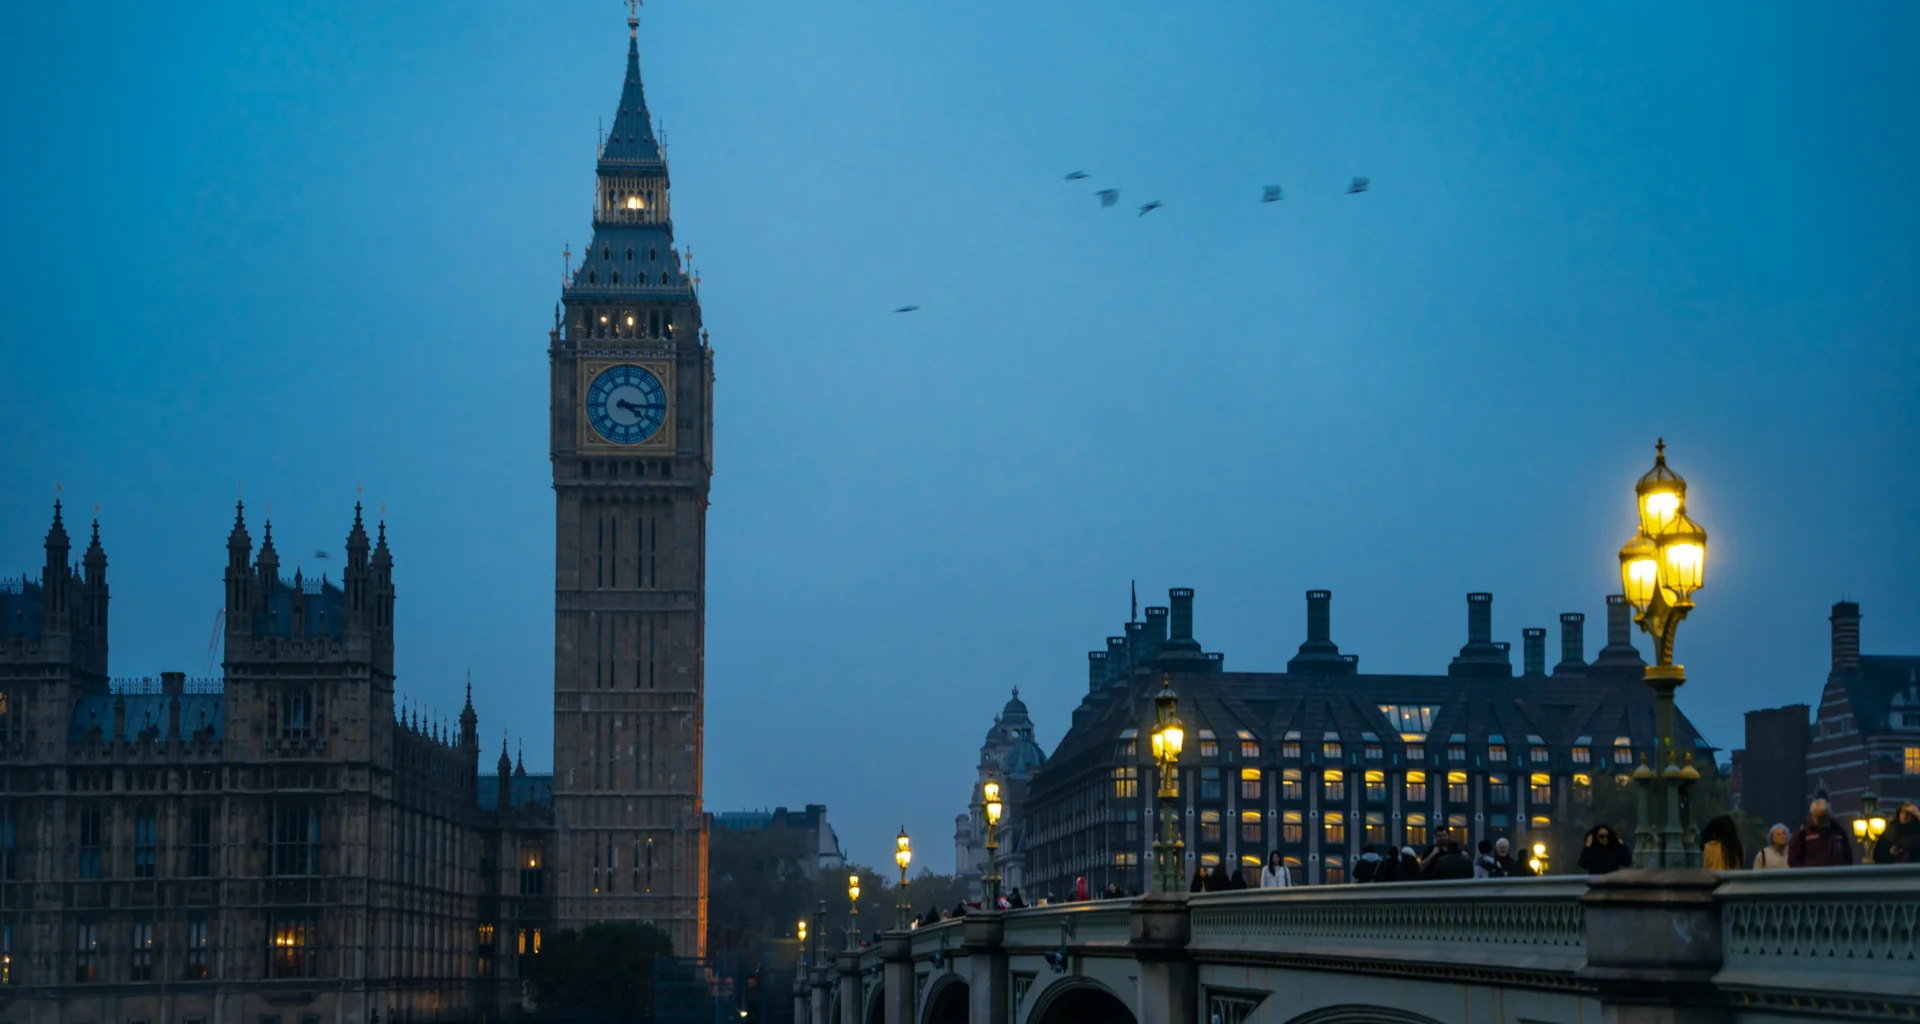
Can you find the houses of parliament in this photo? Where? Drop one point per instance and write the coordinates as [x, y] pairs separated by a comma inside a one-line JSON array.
[[285, 845]]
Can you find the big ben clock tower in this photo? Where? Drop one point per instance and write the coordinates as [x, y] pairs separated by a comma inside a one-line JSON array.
[[632, 447]]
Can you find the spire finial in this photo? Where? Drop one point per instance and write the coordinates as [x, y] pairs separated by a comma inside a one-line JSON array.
[[1660, 450], [633, 20]]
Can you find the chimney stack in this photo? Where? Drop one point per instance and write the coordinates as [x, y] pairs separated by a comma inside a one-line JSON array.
[[1846, 636], [1180, 615], [1573, 644], [1534, 650], [1480, 656], [1096, 670], [1320, 655], [1479, 618], [1117, 666], [1157, 624], [1619, 621], [1319, 616], [1619, 657]]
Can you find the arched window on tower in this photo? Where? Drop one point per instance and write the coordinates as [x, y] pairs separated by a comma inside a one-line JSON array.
[[592, 278], [653, 254], [629, 254], [606, 253], [616, 277]]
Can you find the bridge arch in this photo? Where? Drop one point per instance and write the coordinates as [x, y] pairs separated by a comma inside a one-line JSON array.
[[1358, 1013], [876, 1004], [1077, 999], [947, 1001]]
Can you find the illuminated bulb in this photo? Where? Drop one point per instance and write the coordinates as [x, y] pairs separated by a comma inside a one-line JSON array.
[[633, 202]]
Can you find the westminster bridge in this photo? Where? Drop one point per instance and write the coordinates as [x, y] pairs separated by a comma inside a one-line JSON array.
[[1674, 947]]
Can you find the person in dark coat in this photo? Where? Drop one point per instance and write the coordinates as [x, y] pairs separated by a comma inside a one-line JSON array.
[[1199, 880], [1015, 901], [1217, 879], [1604, 852], [1901, 841], [1367, 868], [1409, 866], [1236, 880], [1821, 842], [1453, 863]]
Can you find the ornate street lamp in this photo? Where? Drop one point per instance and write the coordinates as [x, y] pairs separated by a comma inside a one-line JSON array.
[[1660, 568], [990, 802], [1869, 826], [1538, 862], [903, 855], [800, 936], [853, 912], [1169, 851]]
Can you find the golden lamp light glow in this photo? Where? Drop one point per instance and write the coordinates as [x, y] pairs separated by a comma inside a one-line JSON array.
[[1539, 849], [802, 930], [1167, 741], [903, 853], [633, 202], [1657, 509], [990, 794]]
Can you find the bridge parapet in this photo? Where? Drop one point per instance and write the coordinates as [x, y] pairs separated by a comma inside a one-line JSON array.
[[1669, 946]]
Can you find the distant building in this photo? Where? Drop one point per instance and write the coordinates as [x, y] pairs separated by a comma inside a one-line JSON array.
[[820, 838], [283, 843], [1772, 779], [1320, 760], [1866, 734], [1010, 755]]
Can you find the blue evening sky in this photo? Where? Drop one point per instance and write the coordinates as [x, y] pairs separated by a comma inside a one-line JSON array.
[[301, 246]]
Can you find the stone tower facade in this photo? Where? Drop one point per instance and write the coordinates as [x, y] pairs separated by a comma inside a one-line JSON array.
[[632, 444]]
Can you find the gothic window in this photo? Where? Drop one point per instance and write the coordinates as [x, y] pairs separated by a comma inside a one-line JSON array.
[[90, 843], [1290, 787], [291, 940], [1336, 827], [1290, 745], [1376, 825], [142, 950], [296, 838], [1496, 747], [200, 842], [1250, 827], [629, 254], [1210, 826], [296, 714], [86, 951], [1209, 746], [143, 847], [653, 255], [197, 950], [1416, 829], [1540, 790], [1330, 745], [6, 953]]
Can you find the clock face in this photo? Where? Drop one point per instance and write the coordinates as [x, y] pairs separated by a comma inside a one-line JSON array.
[[626, 404]]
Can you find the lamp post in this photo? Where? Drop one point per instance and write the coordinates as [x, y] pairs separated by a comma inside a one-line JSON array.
[[1168, 849], [903, 855], [853, 912], [990, 883], [1660, 568], [1869, 826], [1538, 862], [800, 936]]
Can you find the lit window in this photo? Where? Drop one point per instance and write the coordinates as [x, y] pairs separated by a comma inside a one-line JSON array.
[[1405, 718], [1540, 823], [1416, 787], [1330, 745], [1496, 747], [1913, 761], [1457, 787], [1583, 781], [1209, 826], [1622, 750], [1416, 829], [1376, 787], [1336, 827], [1209, 747], [1583, 755], [1123, 749], [1538, 755], [1336, 784], [1376, 827], [1498, 792], [1249, 747], [1336, 872], [1250, 827], [1290, 827], [1290, 746], [1208, 860], [1540, 790], [1290, 787], [1249, 783], [1126, 782], [1456, 822]]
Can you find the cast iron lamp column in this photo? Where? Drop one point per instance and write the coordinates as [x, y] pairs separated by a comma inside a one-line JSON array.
[[1169, 851], [1869, 826], [903, 855], [990, 883], [1660, 568], [853, 912]]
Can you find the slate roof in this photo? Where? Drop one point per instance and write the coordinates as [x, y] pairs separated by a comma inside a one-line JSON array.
[[1881, 678], [523, 789], [22, 607]]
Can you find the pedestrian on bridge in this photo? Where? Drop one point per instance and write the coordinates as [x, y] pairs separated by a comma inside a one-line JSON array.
[[1773, 856], [1720, 848], [1821, 842], [1902, 838], [1604, 852], [1275, 875]]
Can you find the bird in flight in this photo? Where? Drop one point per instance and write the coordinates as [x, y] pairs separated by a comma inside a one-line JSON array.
[[1359, 185], [1149, 207], [906, 309], [1076, 175], [1108, 197], [1272, 194]]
